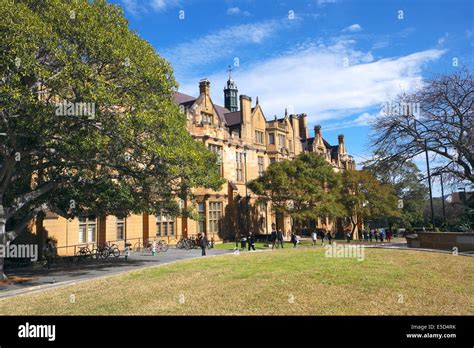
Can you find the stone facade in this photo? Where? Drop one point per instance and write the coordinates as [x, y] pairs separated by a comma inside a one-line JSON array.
[[247, 142]]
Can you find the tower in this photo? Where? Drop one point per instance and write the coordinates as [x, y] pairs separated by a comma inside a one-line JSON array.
[[230, 94]]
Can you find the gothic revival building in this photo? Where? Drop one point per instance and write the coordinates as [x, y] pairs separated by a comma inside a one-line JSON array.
[[246, 143]]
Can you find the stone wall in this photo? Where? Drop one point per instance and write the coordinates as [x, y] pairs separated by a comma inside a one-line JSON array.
[[442, 240]]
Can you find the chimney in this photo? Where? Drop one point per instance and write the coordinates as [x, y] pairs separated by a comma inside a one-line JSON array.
[[303, 127], [317, 131], [204, 86], [342, 146], [245, 108]]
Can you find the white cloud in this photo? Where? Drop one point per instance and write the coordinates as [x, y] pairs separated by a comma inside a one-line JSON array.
[[443, 39], [207, 49], [233, 10], [352, 28], [237, 11], [363, 119], [314, 81], [163, 5], [132, 7], [323, 2]]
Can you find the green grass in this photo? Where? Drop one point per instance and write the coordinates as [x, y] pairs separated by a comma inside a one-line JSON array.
[[289, 281]]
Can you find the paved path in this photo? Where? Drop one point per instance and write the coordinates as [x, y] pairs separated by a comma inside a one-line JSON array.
[[40, 278]]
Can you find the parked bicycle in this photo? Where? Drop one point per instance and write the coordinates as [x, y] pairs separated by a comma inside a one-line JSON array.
[[105, 250], [82, 254], [147, 246]]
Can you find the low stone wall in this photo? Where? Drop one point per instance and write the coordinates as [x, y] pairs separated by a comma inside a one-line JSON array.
[[441, 240]]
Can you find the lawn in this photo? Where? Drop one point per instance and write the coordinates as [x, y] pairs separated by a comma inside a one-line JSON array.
[[289, 281]]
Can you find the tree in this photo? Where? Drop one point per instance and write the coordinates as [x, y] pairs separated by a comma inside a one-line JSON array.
[[364, 197], [304, 188], [440, 112], [407, 182], [87, 117]]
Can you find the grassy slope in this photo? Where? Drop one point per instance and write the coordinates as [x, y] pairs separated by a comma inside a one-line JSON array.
[[279, 282]]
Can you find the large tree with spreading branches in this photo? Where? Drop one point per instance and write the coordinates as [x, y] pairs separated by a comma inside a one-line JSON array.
[[440, 112], [87, 118], [304, 188]]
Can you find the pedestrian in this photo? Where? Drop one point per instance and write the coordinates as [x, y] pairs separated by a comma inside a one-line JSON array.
[[49, 252], [348, 236], [294, 239], [273, 236], [203, 243], [314, 237], [280, 238], [329, 237], [371, 235], [389, 236], [381, 235], [251, 241], [322, 234], [376, 234]]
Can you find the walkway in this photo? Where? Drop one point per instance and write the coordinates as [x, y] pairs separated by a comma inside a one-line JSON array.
[[30, 279]]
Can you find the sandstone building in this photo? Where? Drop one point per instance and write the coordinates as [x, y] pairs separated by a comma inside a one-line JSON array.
[[246, 142]]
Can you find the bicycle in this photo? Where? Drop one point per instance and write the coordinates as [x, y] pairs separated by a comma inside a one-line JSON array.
[[100, 252], [106, 250], [162, 246], [82, 254]]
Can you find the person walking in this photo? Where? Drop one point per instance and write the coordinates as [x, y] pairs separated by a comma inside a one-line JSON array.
[[251, 241], [348, 236], [49, 252], [371, 235], [389, 235], [376, 234], [294, 239], [329, 237], [203, 243], [381, 235], [280, 238], [314, 237], [273, 236], [322, 234]]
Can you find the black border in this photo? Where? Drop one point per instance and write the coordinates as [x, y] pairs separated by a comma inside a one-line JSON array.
[[230, 330]]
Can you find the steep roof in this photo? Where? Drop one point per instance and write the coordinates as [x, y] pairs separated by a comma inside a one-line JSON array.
[[181, 98], [188, 101], [233, 118]]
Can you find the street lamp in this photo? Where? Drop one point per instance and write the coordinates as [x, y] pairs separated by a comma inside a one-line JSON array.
[[246, 193], [442, 198], [429, 178]]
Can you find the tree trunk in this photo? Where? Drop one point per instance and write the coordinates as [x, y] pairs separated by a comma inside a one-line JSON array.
[[3, 241], [354, 225]]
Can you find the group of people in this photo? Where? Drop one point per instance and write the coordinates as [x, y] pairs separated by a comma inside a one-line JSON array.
[[377, 234], [322, 234], [277, 237]]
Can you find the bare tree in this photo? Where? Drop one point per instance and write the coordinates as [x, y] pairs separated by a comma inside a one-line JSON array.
[[441, 112]]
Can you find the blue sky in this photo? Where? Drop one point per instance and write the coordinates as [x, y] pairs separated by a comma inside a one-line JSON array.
[[335, 60]]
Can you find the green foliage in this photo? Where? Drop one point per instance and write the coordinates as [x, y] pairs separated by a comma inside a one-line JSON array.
[[407, 182], [365, 197], [133, 154], [305, 188]]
